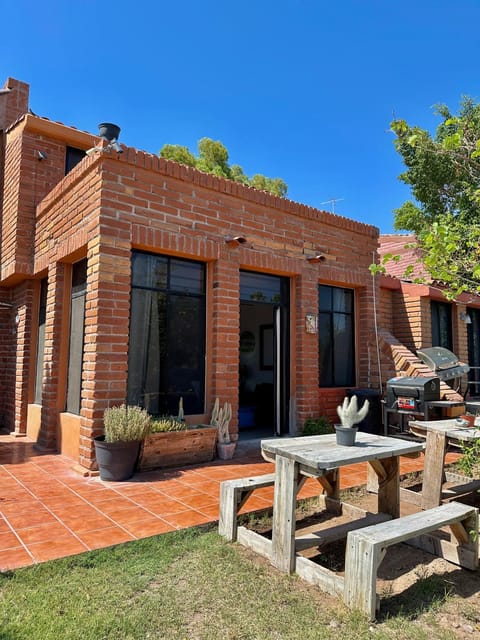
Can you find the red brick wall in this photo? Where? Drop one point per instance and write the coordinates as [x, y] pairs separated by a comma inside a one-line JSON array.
[[14, 102]]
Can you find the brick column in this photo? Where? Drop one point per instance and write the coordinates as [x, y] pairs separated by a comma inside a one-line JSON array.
[[22, 306], [304, 380], [106, 337], [53, 394], [226, 330]]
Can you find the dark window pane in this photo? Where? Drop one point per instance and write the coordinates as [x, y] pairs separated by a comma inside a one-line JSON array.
[[441, 324], [72, 157], [186, 353], [167, 337], [326, 350], [343, 354], [149, 271], [325, 301], [77, 329], [260, 288], [336, 337], [342, 300], [79, 277], [186, 277], [473, 330], [42, 313], [147, 349]]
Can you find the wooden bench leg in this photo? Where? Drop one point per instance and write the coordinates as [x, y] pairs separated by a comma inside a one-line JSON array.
[[433, 469], [362, 560], [227, 523], [233, 495], [284, 505]]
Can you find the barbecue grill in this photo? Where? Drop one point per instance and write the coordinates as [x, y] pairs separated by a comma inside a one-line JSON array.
[[444, 364], [409, 394]]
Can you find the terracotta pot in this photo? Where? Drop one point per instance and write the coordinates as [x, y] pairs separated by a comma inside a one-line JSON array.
[[469, 419]]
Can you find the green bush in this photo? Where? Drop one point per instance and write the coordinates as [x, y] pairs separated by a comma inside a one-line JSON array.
[[167, 423], [469, 463], [124, 424], [317, 426]]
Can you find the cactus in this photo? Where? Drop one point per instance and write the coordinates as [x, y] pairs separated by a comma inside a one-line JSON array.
[[181, 413], [350, 414], [221, 419]]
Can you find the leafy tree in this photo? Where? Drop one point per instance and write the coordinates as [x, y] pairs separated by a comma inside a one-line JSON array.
[[213, 158], [179, 154], [443, 173]]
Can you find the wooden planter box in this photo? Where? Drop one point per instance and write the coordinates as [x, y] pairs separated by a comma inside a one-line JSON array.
[[178, 448]]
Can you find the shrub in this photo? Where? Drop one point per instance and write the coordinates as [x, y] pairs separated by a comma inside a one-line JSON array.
[[167, 423], [317, 426], [469, 463], [124, 424]]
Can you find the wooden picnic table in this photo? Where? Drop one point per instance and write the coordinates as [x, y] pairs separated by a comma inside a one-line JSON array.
[[439, 434], [368, 534], [320, 457]]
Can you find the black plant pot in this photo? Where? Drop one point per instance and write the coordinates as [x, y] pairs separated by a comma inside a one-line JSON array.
[[346, 436], [116, 460]]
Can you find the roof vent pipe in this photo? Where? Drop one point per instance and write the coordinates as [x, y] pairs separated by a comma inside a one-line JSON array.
[[110, 133]]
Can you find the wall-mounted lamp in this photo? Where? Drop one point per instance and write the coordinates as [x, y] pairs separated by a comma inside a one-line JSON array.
[[17, 320], [464, 317], [235, 241], [319, 257], [41, 155]]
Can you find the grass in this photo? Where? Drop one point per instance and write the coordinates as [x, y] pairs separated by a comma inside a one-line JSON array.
[[191, 585]]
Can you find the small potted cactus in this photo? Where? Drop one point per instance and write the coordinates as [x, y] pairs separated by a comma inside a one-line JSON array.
[[221, 417], [350, 415]]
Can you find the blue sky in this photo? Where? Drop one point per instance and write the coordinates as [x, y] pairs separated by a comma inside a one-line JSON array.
[[300, 89]]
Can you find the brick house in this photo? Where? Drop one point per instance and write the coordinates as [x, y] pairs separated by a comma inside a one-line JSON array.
[[126, 277], [416, 316]]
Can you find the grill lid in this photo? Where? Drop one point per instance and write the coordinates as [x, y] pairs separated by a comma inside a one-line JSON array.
[[445, 363]]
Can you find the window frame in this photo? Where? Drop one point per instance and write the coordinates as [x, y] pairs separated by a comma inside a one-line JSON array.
[[76, 337], [441, 312], [170, 287], [331, 379]]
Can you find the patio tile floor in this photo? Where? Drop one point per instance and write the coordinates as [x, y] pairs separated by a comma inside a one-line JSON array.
[[48, 511]]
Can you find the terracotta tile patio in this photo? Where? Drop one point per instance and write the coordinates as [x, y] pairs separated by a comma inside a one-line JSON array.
[[48, 511]]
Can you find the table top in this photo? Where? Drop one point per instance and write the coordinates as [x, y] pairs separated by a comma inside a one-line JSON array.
[[321, 453], [448, 427]]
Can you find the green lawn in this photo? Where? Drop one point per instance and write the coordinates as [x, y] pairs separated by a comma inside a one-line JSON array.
[[192, 584]]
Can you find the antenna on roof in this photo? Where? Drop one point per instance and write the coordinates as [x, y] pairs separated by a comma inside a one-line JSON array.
[[331, 202]]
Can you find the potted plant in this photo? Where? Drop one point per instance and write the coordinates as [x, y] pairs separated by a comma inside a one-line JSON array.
[[117, 450], [173, 443], [350, 415], [221, 419], [467, 418]]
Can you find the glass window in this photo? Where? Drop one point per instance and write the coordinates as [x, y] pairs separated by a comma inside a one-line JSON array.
[[167, 334], [336, 337], [441, 324], [260, 288], [76, 340], [42, 315], [72, 157]]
